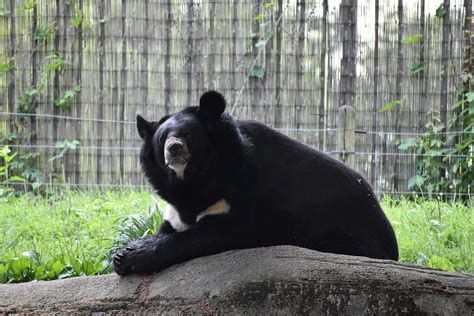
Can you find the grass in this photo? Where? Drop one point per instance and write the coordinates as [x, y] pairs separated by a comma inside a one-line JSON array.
[[72, 233], [433, 234], [69, 233]]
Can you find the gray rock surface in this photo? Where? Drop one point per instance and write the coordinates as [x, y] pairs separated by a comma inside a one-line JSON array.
[[275, 280]]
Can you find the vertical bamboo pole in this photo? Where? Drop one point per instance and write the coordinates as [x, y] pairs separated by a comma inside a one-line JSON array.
[[322, 123], [123, 86], [79, 69], [398, 86], [101, 74], [278, 115], [373, 169], [299, 104]]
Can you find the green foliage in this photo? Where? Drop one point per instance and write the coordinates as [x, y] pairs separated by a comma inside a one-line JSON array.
[[433, 233], [28, 5], [6, 159], [73, 233], [4, 13], [260, 17], [132, 227], [77, 19], [412, 39], [445, 163], [390, 105], [7, 65], [416, 68], [64, 146], [68, 233], [68, 98], [44, 33], [440, 11], [27, 99], [257, 71], [55, 62]]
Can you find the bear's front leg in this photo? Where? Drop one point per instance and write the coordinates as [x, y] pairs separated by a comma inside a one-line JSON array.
[[211, 235]]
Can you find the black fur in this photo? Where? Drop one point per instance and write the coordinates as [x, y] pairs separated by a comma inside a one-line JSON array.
[[281, 192]]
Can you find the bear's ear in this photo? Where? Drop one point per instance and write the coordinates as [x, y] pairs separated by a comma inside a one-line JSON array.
[[144, 127], [211, 106]]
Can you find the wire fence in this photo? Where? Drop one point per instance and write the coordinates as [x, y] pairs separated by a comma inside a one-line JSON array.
[[59, 146]]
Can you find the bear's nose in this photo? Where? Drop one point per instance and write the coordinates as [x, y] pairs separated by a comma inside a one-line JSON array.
[[175, 148]]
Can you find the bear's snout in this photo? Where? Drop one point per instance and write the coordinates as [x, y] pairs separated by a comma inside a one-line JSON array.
[[176, 148], [176, 155]]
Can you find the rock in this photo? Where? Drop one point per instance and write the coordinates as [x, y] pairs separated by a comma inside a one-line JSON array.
[[274, 280]]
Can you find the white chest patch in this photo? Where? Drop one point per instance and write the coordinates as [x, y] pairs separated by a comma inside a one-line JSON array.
[[171, 215]]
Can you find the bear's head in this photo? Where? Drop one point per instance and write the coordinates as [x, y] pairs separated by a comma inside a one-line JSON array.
[[178, 148]]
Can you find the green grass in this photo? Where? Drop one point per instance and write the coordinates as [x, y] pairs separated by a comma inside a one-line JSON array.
[[72, 233], [69, 233], [433, 234]]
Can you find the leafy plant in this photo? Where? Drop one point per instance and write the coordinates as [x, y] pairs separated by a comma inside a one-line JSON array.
[[440, 11], [77, 19], [64, 146], [390, 105], [44, 33], [257, 71], [6, 158], [412, 39], [56, 62], [28, 5], [416, 68], [132, 227], [26, 99], [7, 65], [68, 98], [4, 13], [444, 163]]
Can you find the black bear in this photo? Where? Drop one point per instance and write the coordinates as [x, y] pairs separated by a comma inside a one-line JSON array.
[[233, 184]]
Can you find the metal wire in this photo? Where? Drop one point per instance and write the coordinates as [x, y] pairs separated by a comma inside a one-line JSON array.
[[144, 186], [424, 193], [414, 133], [72, 118], [63, 184], [72, 149], [412, 154]]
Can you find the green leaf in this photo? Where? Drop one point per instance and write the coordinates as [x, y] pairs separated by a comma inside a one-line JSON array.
[[440, 11], [390, 105], [16, 179], [29, 5], [76, 264], [261, 43], [416, 68], [257, 71], [412, 39], [470, 96], [57, 267], [18, 265], [436, 143], [416, 182], [268, 5], [406, 144], [76, 21], [7, 66], [4, 13], [260, 17]]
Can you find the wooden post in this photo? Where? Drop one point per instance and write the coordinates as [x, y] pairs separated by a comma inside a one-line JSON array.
[[346, 135]]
